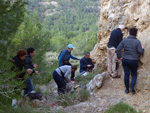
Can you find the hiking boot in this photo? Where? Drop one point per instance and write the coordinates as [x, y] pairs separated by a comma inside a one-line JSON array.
[[133, 91], [126, 91]]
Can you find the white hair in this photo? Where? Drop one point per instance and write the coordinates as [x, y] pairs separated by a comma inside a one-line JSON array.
[[121, 27]]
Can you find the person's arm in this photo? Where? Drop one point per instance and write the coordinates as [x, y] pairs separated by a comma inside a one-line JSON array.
[[139, 48], [66, 75], [92, 64], [119, 48], [82, 64], [120, 38], [73, 57], [61, 58]]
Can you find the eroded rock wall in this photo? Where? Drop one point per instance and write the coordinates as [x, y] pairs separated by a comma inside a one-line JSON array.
[[131, 13]]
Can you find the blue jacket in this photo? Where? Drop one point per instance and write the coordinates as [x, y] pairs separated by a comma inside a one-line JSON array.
[[115, 38], [66, 57], [83, 64]]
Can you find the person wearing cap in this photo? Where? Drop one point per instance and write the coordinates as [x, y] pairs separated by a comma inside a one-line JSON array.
[[132, 48], [65, 56], [86, 63], [114, 40]]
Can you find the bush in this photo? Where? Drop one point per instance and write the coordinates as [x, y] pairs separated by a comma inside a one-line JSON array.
[[121, 108]]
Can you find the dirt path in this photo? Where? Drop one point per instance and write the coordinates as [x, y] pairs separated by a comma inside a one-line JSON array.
[[112, 92]]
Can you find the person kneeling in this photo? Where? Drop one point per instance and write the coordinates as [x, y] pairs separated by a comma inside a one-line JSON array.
[[60, 76], [86, 63]]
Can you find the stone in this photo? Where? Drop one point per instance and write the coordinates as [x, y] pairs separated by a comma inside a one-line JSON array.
[[96, 82]]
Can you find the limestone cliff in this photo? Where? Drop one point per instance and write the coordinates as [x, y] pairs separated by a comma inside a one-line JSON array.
[[131, 13]]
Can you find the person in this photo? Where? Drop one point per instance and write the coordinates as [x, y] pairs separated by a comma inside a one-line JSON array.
[[65, 56], [132, 47], [19, 64], [86, 63], [60, 76], [114, 40], [30, 69]]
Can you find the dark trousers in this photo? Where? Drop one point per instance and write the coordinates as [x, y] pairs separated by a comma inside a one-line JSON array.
[[130, 67], [29, 86], [61, 84]]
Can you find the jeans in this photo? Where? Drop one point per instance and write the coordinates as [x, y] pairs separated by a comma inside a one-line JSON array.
[[61, 84], [29, 86], [130, 66]]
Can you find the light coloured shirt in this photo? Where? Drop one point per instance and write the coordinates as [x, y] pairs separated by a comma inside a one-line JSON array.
[[66, 70]]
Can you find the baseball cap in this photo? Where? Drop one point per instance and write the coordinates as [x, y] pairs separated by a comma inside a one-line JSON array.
[[71, 46]]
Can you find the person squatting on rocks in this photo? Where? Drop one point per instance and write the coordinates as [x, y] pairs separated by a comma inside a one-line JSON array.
[[60, 76], [30, 69], [114, 40], [132, 47], [65, 56], [86, 63]]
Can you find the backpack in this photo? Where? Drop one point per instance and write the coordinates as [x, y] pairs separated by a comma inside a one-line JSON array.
[[61, 53], [37, 95]]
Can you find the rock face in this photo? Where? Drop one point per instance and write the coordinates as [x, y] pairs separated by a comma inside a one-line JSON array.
[[96, 82], [131, 13]]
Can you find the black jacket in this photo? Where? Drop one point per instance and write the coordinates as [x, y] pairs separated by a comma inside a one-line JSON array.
[[18, 68], [115, 38], [132, 47], [28, 63], [18, 63], [83, 64]]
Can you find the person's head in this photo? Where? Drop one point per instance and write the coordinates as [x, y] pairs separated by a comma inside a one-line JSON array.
[[70, 47], [133, 31], [122, 27], [87, 55], [30, 51], [21, 54], [74, 68]]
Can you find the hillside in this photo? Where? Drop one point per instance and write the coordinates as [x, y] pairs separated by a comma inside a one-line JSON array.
[[68, 21]]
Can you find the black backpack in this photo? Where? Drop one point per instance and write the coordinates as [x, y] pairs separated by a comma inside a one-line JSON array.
[[37, 95], [61, 53]]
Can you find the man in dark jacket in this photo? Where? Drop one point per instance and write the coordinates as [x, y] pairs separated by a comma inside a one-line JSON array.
[[86, 63], [30, 67], [114, 40]]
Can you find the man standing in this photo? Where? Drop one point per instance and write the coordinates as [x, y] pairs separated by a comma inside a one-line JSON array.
[[114, 40], [30, 69], [65, 56], [86, 63]]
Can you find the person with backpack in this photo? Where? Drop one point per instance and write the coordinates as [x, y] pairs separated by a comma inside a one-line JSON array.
[[60, 76], [132, 48], [65, 56], [30, 68]]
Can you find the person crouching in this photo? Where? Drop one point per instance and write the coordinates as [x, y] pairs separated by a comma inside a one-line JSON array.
[[60, 76]]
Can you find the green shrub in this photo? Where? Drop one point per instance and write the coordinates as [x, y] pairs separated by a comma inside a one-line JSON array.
[[121, 108]]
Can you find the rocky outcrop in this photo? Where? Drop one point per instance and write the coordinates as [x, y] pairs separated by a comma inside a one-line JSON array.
[[131, 13], [96, 82]]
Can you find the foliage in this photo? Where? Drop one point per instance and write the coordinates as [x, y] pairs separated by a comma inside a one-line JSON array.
[[121, 108], [72, 21]]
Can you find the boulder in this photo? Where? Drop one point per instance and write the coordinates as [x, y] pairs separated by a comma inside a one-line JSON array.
[[96, 82]]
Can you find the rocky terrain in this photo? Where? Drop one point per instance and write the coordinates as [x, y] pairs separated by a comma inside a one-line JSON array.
[[132, 14]]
